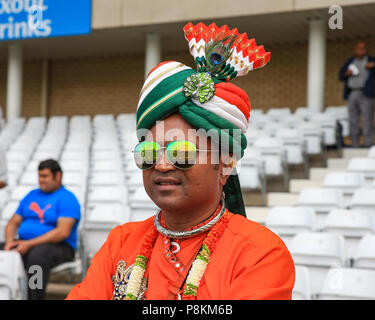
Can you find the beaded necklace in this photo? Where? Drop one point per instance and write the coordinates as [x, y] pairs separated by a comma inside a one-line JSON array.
[[198, 267]]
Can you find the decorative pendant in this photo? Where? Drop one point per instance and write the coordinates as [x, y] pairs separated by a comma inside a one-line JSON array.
[[199, 86], [175, 244], [120, 282]]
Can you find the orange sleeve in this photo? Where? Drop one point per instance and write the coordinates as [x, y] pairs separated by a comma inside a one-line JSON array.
[[270, 275], [97, 284]]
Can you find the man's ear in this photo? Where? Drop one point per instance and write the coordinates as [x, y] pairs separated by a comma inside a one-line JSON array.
[[228, 163], [58, 176]]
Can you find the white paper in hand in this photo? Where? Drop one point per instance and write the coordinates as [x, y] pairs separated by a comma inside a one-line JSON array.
[[354, 69]]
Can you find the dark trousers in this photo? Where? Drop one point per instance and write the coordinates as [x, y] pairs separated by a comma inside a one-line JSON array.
[[360, 105], [47, 256]]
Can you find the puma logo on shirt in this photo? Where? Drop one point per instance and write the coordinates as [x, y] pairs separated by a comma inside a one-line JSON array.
[[40, 212]]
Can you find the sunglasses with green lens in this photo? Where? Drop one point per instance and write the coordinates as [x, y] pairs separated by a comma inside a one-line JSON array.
[[181, 154]]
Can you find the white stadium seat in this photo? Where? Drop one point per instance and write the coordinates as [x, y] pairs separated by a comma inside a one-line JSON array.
[[318, 251], [363, 165], [99, 155], [302, 284], [130, 167], [103, 195], [6, 213], [322, 200], [106, 165], [30, 179], [74, 179], [107, 214], [327, 124], [105, 145], [127, 122], [100, 220], [50, 144], [110, 178], [348, 284], [77, 143], [365, 254], [79, 192], [313, 136], [9, 210], [12, 179], [252, 134], [272, 152], [46, 154], [256, 112], [75, 155], [363, 198], [352, 224], [23, 144], [251, 175], [291, 122], [103, 118], [128, 144], [70, 267], [341, 114], [261, 121], [75, 166], [11, 131], [371, 152], [19, 192], [16, 167], [141, 206], [18, 156], [304, 113], [348, 182], [4, 196], [13, 279], [288, 221], [32, 166], [278, 113], [294, 145], [134, 180]]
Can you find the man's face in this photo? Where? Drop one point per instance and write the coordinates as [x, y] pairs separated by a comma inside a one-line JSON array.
[[360, 49], [175, 189], [48, 182]]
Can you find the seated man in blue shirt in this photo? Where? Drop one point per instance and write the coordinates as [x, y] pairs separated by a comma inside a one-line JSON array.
[[46, 222]]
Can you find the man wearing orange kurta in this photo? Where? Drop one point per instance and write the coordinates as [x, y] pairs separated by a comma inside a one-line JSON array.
[[200, 244]]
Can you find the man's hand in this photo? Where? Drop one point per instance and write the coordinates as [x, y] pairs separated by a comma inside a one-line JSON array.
[[23, 246], [348, 72], [10, 245], [370, 65]]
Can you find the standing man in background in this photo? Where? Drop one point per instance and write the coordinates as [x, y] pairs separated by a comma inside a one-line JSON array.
[[358, 73]]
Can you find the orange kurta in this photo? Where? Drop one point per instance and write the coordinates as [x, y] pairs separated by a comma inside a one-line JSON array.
[[249, 262]]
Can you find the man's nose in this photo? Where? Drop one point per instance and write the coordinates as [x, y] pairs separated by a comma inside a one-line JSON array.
[[163, 165]]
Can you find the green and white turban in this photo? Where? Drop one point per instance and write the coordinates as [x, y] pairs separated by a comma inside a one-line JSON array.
[[205, 98]]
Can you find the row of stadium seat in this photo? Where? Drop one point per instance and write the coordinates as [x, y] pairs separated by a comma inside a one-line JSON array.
[[98, 167], [330, 232]]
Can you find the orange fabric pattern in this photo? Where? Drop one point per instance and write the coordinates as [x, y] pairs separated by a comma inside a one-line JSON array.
[[249, 262]]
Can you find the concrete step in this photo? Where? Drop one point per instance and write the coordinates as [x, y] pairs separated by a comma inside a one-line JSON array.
[[319, 173], [354, 152], [58, 291], [339, 164], [296, 185], [281, 199], [257, 214]]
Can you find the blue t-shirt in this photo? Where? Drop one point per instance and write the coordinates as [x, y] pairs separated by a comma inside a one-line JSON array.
[[40, 212]]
